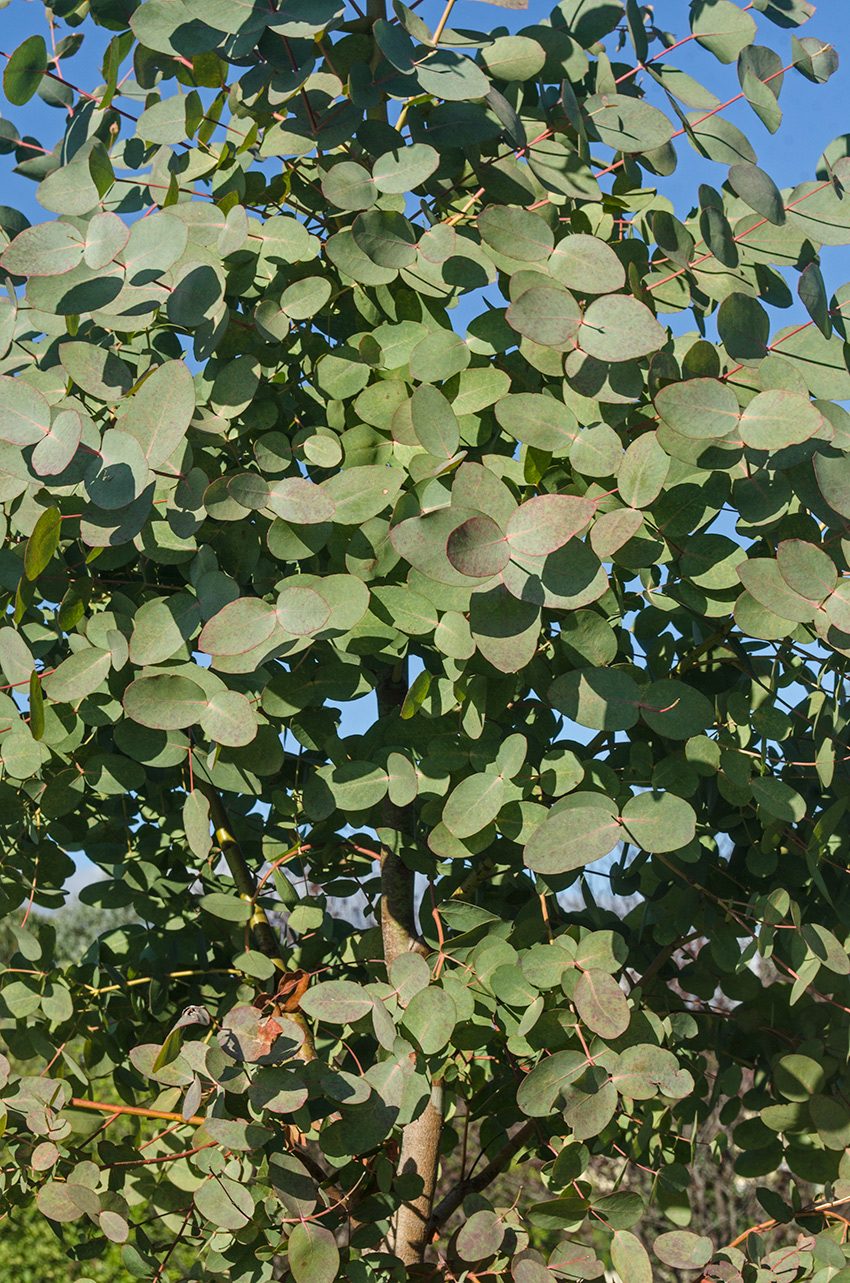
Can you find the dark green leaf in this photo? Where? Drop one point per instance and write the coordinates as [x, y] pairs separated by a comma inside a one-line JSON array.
[[24, 70], [313, 1255], [759, 191], [42, 543], [584, 827]]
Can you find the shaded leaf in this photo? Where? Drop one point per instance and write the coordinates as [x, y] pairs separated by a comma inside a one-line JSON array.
[[683, 1250], [42, 543], [584, 828], [759, 191], [312, 1254]]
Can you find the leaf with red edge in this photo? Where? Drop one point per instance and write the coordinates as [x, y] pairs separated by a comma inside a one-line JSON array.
[[238, 627], [547, 522]]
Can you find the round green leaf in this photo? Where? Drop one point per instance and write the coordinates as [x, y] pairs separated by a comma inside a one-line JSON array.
[[159, 414], [231, 16], [699, 408], [238, 627], [516, 233], [642, 472], [225, 1203], [55, 451], [511, 58], [42, 543], [78, 676], [385, 237], [163, 122], [601, 1004], [816, 60], [574, 836], [777, 800], [832, 472], [837, 606], [48, 249], [305, 298], [20, 753], [547, 315], [619, 328], [675, 709], [438, 357], [434, 422], [480, 1236], [430, 1018], [229, 718], [356, 785], [643, 1071], [806, 569], [162, 626], [278, 1089], [106, 236], [831, 1118], [546, 523], [586, 264], [301, 611], [540, 1089], [759, 191], [683, 1250], [312, 1253], [630, 1258], [164, 702], [478, 548], [719, 140], [56, 1200], [232, 1133], [24, 412], [658, 822], [24, 70], [119, 472], [605, 699], [539, 421], [596, 451], [722, 27], [196, 823], [763, 582], [409, 973], [349, 186], [403, 169], [776, 419], [627, 124], [345, 253], [338, 1002], [452, 76], [300, 501], [231, 908], [473, 803]]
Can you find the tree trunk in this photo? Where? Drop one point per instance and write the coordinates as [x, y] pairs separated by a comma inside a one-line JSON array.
[[420, 1143], [419, 1155]]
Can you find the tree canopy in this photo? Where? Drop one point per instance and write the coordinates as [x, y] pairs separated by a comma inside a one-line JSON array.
[[351, 362]]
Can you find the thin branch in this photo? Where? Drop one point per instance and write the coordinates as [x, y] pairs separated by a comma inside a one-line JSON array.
[[246, 883], [78, 1103], [475, 1184]]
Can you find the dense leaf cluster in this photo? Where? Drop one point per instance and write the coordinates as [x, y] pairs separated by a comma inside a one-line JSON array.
[[340, 368]]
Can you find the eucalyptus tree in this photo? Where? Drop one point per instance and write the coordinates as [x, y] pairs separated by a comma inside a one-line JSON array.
[[351, 362]]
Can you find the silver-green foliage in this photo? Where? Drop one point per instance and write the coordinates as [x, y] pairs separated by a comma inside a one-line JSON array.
[[341, 368]]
